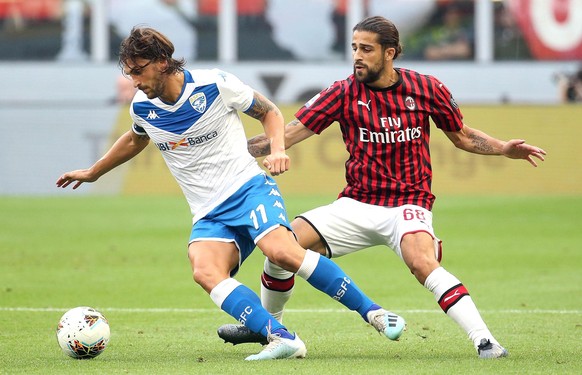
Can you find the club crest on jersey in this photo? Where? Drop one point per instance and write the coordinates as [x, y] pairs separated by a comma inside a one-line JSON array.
[[410, 103], [198, 102]]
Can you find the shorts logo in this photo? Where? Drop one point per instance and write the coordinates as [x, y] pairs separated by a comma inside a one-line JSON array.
[[198, 102], [275, 193]]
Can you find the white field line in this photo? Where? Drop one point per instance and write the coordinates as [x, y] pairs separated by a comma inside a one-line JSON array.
[[292, 311]]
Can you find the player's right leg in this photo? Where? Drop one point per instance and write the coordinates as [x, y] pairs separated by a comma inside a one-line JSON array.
[[242, 304], [276, 288], [212, 263]]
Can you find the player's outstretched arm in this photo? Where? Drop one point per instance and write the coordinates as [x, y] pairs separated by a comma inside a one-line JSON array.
[[518, 149], [125, 148], [295, 132], [476, 141]]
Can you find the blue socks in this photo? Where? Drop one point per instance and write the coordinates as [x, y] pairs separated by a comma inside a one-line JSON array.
[[245, 306], [326, 276]]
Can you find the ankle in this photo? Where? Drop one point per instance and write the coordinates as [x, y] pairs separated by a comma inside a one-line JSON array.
[[284, 333]]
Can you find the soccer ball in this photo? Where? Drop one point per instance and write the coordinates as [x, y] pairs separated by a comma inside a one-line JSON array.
[[83, 333]]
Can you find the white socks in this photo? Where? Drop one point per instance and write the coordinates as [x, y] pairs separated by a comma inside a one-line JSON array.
[[456, 302]]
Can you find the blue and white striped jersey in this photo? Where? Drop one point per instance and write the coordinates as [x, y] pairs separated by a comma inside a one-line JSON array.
[[201, 136]]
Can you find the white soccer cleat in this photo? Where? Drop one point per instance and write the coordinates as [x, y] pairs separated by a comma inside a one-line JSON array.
[[280, 348], [387, 323], [487, 349]]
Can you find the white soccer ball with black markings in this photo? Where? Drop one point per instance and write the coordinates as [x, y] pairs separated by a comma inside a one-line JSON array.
[[83, 333]]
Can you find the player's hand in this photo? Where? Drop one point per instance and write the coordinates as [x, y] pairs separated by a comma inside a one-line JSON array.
[[79, 176], [277, 163], [518, 149]]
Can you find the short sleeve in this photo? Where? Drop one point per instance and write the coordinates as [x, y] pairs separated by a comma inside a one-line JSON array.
[[235, 94], [323, 109], [138, 129], [446, 113]]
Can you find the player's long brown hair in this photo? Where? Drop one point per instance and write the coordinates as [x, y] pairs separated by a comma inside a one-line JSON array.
[[388, 35], [149, 44]]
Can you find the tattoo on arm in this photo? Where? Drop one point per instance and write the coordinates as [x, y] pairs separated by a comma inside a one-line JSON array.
[[481, 144], [260, 108], [259, 146], [294, 122]]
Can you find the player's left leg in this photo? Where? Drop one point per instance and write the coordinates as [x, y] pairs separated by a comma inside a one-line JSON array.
[[347, 235], [420, 253]]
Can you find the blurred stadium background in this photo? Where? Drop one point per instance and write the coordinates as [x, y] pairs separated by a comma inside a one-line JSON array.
[[62, 98]]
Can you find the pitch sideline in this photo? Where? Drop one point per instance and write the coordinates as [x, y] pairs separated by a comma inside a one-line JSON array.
[[292, 311]]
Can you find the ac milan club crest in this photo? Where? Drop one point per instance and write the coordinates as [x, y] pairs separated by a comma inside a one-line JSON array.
[[410, 103]]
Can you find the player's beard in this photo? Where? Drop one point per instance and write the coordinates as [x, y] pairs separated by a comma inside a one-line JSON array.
[[156, 90], [370, 74]]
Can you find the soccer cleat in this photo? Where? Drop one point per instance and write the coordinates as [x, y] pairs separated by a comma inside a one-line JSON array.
[[239, 334], [280, 348], [387, 323], [487, 349]]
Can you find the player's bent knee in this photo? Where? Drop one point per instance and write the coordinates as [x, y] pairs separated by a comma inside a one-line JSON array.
[[199, 277], [289, 258], [207, 280], [421, 267]]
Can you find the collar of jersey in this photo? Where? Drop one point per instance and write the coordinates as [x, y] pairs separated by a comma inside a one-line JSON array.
[[187, 79]]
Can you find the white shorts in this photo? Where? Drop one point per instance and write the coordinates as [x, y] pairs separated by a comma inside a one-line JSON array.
[[347, 226]]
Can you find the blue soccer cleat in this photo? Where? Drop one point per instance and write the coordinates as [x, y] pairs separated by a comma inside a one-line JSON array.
[[387, 323]]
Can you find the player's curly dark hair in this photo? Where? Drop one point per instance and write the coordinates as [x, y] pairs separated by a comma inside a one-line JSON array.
[[149, 44], [388, 35]]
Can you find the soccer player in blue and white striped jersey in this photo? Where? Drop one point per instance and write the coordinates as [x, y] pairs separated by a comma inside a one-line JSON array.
[[192, 117]]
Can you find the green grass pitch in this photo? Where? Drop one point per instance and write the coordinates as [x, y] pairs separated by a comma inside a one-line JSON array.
[[519, 257]]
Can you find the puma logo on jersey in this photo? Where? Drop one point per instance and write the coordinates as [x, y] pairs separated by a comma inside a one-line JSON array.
[[367, 105], [152, 115]]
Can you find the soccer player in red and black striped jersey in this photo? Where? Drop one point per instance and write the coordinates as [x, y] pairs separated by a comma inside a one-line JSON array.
[[384, 114]]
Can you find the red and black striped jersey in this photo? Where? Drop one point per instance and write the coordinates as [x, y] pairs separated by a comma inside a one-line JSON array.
[[386, 133]]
